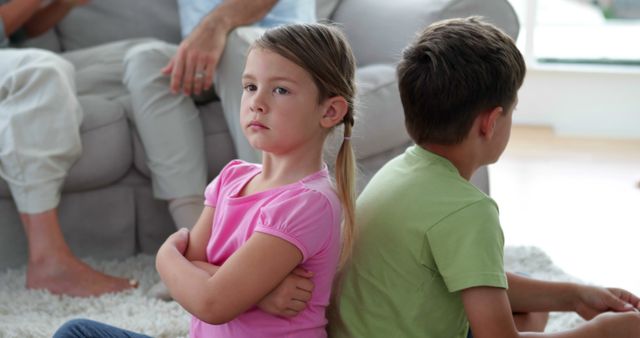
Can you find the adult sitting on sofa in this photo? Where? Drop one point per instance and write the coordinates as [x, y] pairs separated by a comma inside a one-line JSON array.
[[107, 209], [40, 120]]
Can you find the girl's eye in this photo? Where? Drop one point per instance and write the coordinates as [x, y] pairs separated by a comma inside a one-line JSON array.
[[280, 91], [250, 87]]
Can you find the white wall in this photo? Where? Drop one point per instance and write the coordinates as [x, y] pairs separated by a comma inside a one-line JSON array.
[[592, 101]]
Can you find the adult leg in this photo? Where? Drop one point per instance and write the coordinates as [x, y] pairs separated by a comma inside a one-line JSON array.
[[85, 328], [99, 70], [171, 132], [39, 141], [228, 84]]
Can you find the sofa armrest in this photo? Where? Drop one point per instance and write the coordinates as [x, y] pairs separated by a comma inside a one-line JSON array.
[[379, 29]]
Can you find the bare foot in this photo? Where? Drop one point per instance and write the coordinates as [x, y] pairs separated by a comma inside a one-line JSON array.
[[69, 276]]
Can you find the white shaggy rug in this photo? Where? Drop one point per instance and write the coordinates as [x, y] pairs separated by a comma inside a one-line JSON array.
[[27, 313]]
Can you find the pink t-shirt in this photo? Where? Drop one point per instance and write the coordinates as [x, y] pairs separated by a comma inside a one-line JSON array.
[[306, 213]]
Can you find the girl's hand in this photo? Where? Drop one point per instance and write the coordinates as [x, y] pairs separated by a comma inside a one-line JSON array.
[[595, 300], [178, 240], [290, 296]]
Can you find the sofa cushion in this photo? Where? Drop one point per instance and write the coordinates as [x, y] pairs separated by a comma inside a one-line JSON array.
[[325, 8], [218, 144], [379, 118], [106, 147], [106, 21], [368, 21]]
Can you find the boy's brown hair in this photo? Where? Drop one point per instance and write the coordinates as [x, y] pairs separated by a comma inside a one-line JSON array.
[[453, 71]]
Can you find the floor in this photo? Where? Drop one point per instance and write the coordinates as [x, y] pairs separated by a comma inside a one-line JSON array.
[[577, 199]]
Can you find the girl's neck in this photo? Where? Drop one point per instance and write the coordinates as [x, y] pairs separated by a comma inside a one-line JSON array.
[[290, 168], [279, 170]]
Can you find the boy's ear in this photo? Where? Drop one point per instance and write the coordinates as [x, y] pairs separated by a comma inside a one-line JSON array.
[[335, 108], [488, 121]]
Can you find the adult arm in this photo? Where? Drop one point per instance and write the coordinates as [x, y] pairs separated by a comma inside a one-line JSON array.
[[266, 259], [532, 295], [490, 315], [201, 50], [47, 17], [16, 13]]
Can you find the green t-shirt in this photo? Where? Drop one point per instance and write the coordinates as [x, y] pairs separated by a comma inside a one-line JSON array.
[[425, 234]]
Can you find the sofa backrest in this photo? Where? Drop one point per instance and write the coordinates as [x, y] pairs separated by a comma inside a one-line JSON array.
[[104, 21], [379, 29], [110, 20]]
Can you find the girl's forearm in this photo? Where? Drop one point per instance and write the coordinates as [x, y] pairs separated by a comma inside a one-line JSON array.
[[185, 280], [16, 13]]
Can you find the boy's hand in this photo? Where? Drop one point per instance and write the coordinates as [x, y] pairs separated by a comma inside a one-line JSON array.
[[593, 301], [618, 325], [290, 296]]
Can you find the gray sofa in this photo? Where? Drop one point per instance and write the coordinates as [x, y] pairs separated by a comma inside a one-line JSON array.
[[107, 208]]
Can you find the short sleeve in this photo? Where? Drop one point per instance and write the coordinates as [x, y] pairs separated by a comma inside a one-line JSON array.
[[212, 192], [468, 247], [305, 220]]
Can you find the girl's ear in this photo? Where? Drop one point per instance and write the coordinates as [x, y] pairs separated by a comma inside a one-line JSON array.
[[335, 108], [488, 121]]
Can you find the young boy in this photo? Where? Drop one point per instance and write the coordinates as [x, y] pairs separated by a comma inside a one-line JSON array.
[[428, 260]]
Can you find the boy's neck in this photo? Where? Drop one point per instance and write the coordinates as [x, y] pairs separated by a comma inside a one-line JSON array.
[[463, 157]]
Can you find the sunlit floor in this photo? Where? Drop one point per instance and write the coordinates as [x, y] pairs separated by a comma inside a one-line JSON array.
[[577, 199]]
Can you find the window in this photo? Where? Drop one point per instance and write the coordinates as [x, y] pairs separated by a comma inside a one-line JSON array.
[[580, 31]]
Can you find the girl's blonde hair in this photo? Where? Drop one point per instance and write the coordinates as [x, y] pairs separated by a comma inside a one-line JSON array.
[[323, 51]]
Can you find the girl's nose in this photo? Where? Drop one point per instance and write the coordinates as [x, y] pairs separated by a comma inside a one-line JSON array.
[[258, 104]]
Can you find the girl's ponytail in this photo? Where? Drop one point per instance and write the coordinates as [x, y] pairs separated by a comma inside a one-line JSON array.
[[325, 53], [345, 180]]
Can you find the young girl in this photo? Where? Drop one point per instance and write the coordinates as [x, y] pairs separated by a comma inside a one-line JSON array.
[[261, 222]]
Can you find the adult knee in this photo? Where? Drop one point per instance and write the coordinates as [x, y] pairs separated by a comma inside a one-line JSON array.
[[142, 63], [41, 63]]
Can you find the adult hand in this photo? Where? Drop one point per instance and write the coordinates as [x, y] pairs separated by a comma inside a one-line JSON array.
[[73, 3], [290, 296], [595, 300], [193, 66]]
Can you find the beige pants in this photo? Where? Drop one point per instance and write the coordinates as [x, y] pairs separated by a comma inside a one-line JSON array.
[[169, 124], [39, 126], [40, 116]]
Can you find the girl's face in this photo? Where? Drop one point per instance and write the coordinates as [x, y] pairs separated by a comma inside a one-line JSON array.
[[279, 111]]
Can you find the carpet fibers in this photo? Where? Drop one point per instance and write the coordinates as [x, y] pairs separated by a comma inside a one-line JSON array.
[[29, 313]]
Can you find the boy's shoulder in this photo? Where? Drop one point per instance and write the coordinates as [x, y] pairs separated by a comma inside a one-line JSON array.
[[420, 171], [418, 185]]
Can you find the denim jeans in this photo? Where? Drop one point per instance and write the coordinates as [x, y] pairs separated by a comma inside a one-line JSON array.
[[85, 328]]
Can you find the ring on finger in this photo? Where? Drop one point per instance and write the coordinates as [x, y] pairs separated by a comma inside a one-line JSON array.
[[199, 75]]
